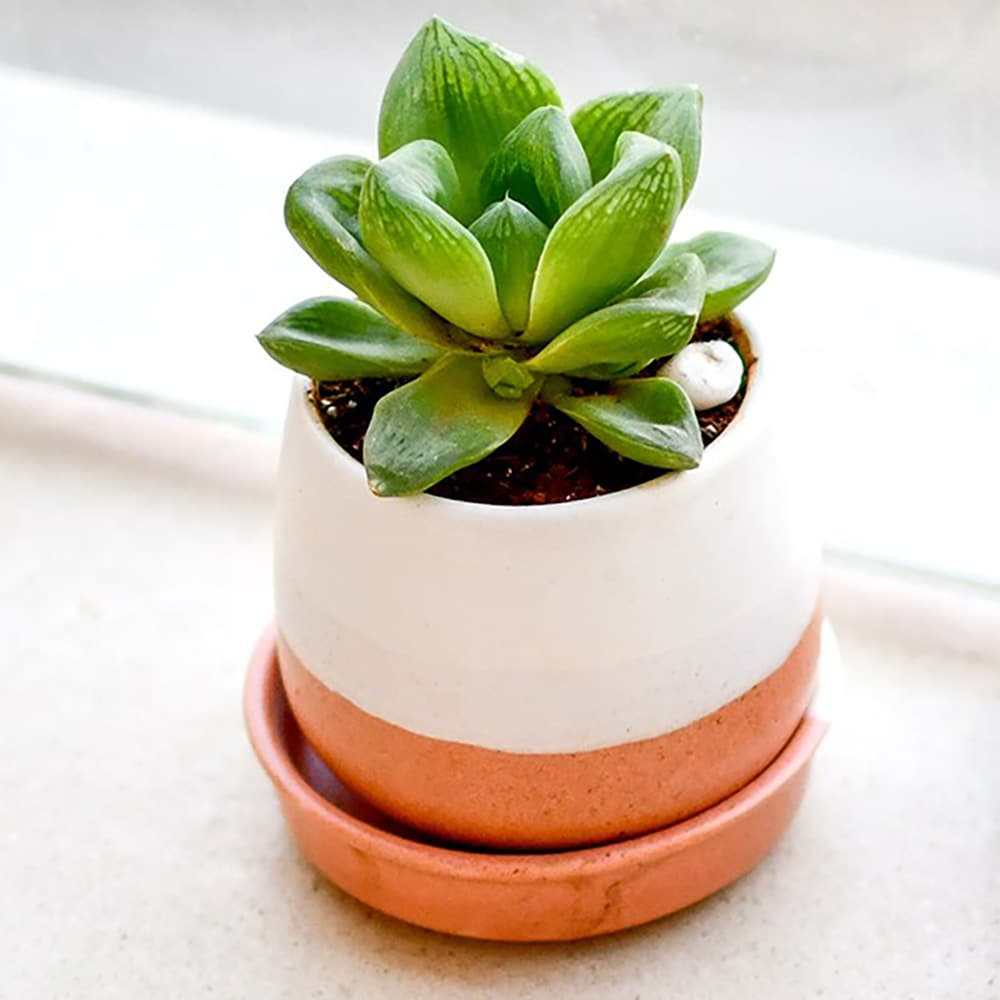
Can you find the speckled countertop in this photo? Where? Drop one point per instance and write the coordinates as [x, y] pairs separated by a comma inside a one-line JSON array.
[[144, 855]]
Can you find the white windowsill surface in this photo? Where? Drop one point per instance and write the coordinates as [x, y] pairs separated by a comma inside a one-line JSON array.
[[143, 850], [142, 246]]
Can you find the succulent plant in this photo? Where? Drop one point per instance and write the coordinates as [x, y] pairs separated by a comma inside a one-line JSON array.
[[506, 254]]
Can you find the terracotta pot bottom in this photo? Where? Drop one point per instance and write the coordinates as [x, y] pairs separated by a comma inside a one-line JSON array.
[[547, 896], [498, 800]]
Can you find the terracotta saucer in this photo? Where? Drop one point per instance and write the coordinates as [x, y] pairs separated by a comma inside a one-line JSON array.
[[520, 897]]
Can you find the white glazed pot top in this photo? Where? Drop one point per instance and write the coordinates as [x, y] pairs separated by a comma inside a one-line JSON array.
[[545, 629]]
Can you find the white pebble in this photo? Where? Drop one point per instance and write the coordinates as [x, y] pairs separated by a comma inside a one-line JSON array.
[[709, 371]]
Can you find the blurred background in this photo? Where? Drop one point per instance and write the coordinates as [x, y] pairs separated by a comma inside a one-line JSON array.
[[147, 147], [871, 120]]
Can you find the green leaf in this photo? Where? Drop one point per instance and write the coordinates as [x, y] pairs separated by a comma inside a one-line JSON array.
[[608, 372], [649, 420], [321, 212], [635, 330], [673, 116], [507, 377], [513, 239], [446, 419], [406, 224], [735, 266], [607, 238], [330, 339], [339, 179], [463, 91], [541, 164]]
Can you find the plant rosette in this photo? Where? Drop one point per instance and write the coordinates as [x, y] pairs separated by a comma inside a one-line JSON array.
[[522, 674]]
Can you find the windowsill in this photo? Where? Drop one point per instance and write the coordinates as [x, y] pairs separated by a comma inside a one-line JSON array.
[[149, 847], [144, 245]]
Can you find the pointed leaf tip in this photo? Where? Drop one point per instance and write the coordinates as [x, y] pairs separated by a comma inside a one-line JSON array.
[[513, 240], [540, 163], [463, 91], [321, 212], [649, 420], [331, 339], [407, 226], [735, 267], [607, 238], [672, 115]]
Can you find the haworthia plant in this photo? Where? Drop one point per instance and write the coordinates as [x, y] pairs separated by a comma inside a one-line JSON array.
[[507, 255]]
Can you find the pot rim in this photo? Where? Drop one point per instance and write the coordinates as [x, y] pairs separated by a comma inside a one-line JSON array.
[[729, 443]]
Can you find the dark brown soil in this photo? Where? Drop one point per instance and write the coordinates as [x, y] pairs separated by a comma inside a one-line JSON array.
[[549, 460]]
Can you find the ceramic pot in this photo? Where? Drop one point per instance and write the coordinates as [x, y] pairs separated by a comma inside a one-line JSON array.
[[550, 676]]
